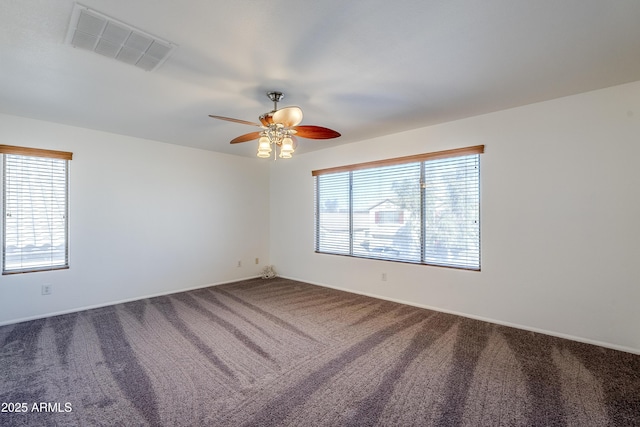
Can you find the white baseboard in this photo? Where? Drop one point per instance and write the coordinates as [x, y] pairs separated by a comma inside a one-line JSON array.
[[484, 319], [89, 307]]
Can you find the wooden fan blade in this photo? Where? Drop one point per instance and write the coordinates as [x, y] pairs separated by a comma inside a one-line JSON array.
[[266, 119], [229, 119], [246, 137], [288, 116], [315, 132]]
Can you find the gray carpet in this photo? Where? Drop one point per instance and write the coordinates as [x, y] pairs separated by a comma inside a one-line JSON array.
[[284, 353]]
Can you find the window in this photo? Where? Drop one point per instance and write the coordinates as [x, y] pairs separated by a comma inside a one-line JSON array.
[[422, 209], [34, 204]]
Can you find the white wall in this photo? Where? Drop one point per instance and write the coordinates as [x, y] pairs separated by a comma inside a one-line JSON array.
[[146, 218], [560, 219]]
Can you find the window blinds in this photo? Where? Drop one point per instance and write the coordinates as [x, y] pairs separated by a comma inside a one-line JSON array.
[[418, 209], [35, 211], [451, 214], [333, 225]]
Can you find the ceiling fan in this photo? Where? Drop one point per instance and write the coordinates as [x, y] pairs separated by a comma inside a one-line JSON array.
[[280, 128]]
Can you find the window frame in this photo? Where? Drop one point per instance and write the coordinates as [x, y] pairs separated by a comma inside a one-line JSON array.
[[40, 153], [420, 158]]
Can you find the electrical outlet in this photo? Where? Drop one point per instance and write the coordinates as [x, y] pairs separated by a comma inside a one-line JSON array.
[[47, 289], [384, 277], [257, 260], [239, 263]]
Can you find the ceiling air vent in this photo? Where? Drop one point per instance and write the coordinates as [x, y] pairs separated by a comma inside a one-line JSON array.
[[104, 35]]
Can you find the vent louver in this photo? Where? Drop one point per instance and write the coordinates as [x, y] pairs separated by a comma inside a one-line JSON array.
[[97, 32]]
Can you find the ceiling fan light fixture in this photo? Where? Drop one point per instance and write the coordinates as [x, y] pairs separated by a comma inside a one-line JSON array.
[[287, 145], [264, 147], [264, 154], [285, 154], [264, 144]]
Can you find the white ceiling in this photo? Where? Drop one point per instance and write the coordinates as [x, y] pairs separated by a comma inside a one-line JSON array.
[[363, 68]]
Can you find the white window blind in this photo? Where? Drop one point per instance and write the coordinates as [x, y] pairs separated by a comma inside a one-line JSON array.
[[35, 232], [380, 193], [419, 209], [452, 212], [333, 227]]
